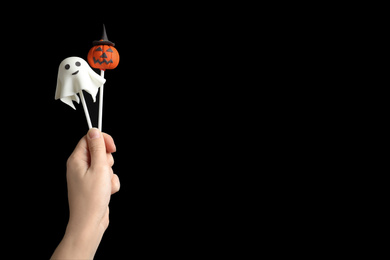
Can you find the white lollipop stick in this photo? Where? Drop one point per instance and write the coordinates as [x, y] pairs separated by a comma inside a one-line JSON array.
[[85, 109], [101, 103]]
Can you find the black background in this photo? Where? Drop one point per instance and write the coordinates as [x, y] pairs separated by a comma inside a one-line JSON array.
[[158, 108]]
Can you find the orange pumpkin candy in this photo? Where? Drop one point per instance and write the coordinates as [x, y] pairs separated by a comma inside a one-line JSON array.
[[103, 57]]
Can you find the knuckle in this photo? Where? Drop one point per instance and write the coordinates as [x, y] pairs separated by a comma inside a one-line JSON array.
[[111, 160], [70, 161], [97, 149]]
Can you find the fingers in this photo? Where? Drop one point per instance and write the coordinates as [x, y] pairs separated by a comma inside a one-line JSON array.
[[115, 184], [96, 147], [81, 152], [80, 156], [101, 146], [110, 148], [110, 145], [110, 159]]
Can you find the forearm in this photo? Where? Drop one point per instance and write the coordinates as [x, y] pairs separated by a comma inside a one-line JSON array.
[[79, 243]]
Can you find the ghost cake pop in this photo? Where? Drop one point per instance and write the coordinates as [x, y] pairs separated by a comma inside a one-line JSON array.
[[74, 76], [103, 56]]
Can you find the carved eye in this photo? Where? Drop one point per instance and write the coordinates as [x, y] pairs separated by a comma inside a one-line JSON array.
[[67, 66], [109, 50], [99, 49], [78, 64]]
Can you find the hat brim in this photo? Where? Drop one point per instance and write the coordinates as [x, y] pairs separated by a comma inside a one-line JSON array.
[[94, 43]]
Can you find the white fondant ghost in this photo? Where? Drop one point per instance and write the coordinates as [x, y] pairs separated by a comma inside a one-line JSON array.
[[75, 75]]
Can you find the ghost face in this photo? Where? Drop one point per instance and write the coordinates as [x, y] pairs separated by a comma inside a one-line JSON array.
[[75, 75], [77, 63], [74, 70]]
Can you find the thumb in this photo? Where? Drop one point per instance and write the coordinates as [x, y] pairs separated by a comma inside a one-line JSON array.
[[96, 147]]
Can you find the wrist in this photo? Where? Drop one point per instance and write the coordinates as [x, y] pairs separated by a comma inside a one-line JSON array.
[[83, 241]]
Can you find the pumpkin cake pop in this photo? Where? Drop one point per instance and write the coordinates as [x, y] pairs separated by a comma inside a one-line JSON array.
[[103, 55]]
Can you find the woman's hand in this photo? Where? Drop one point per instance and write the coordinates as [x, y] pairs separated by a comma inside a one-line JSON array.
[[91, 182]]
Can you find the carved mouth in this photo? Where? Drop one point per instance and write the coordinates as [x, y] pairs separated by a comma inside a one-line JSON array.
[[101, 62], [75, 73]]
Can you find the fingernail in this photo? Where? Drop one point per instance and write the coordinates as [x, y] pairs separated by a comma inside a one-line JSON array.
[[93, 133]]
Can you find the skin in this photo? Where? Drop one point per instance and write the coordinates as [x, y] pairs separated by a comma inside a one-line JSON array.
[[91, 182]]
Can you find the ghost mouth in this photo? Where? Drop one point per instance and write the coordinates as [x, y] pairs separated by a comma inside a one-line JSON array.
[[75, 73]]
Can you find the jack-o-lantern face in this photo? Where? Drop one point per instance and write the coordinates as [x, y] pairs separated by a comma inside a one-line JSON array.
[[103, 57]]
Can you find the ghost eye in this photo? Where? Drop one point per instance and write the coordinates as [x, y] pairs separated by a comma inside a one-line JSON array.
[[109, 50], [78, 64], [67, 66], [99, 49]]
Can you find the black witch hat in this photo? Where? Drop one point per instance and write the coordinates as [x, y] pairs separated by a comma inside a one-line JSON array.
[[104, 40]]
